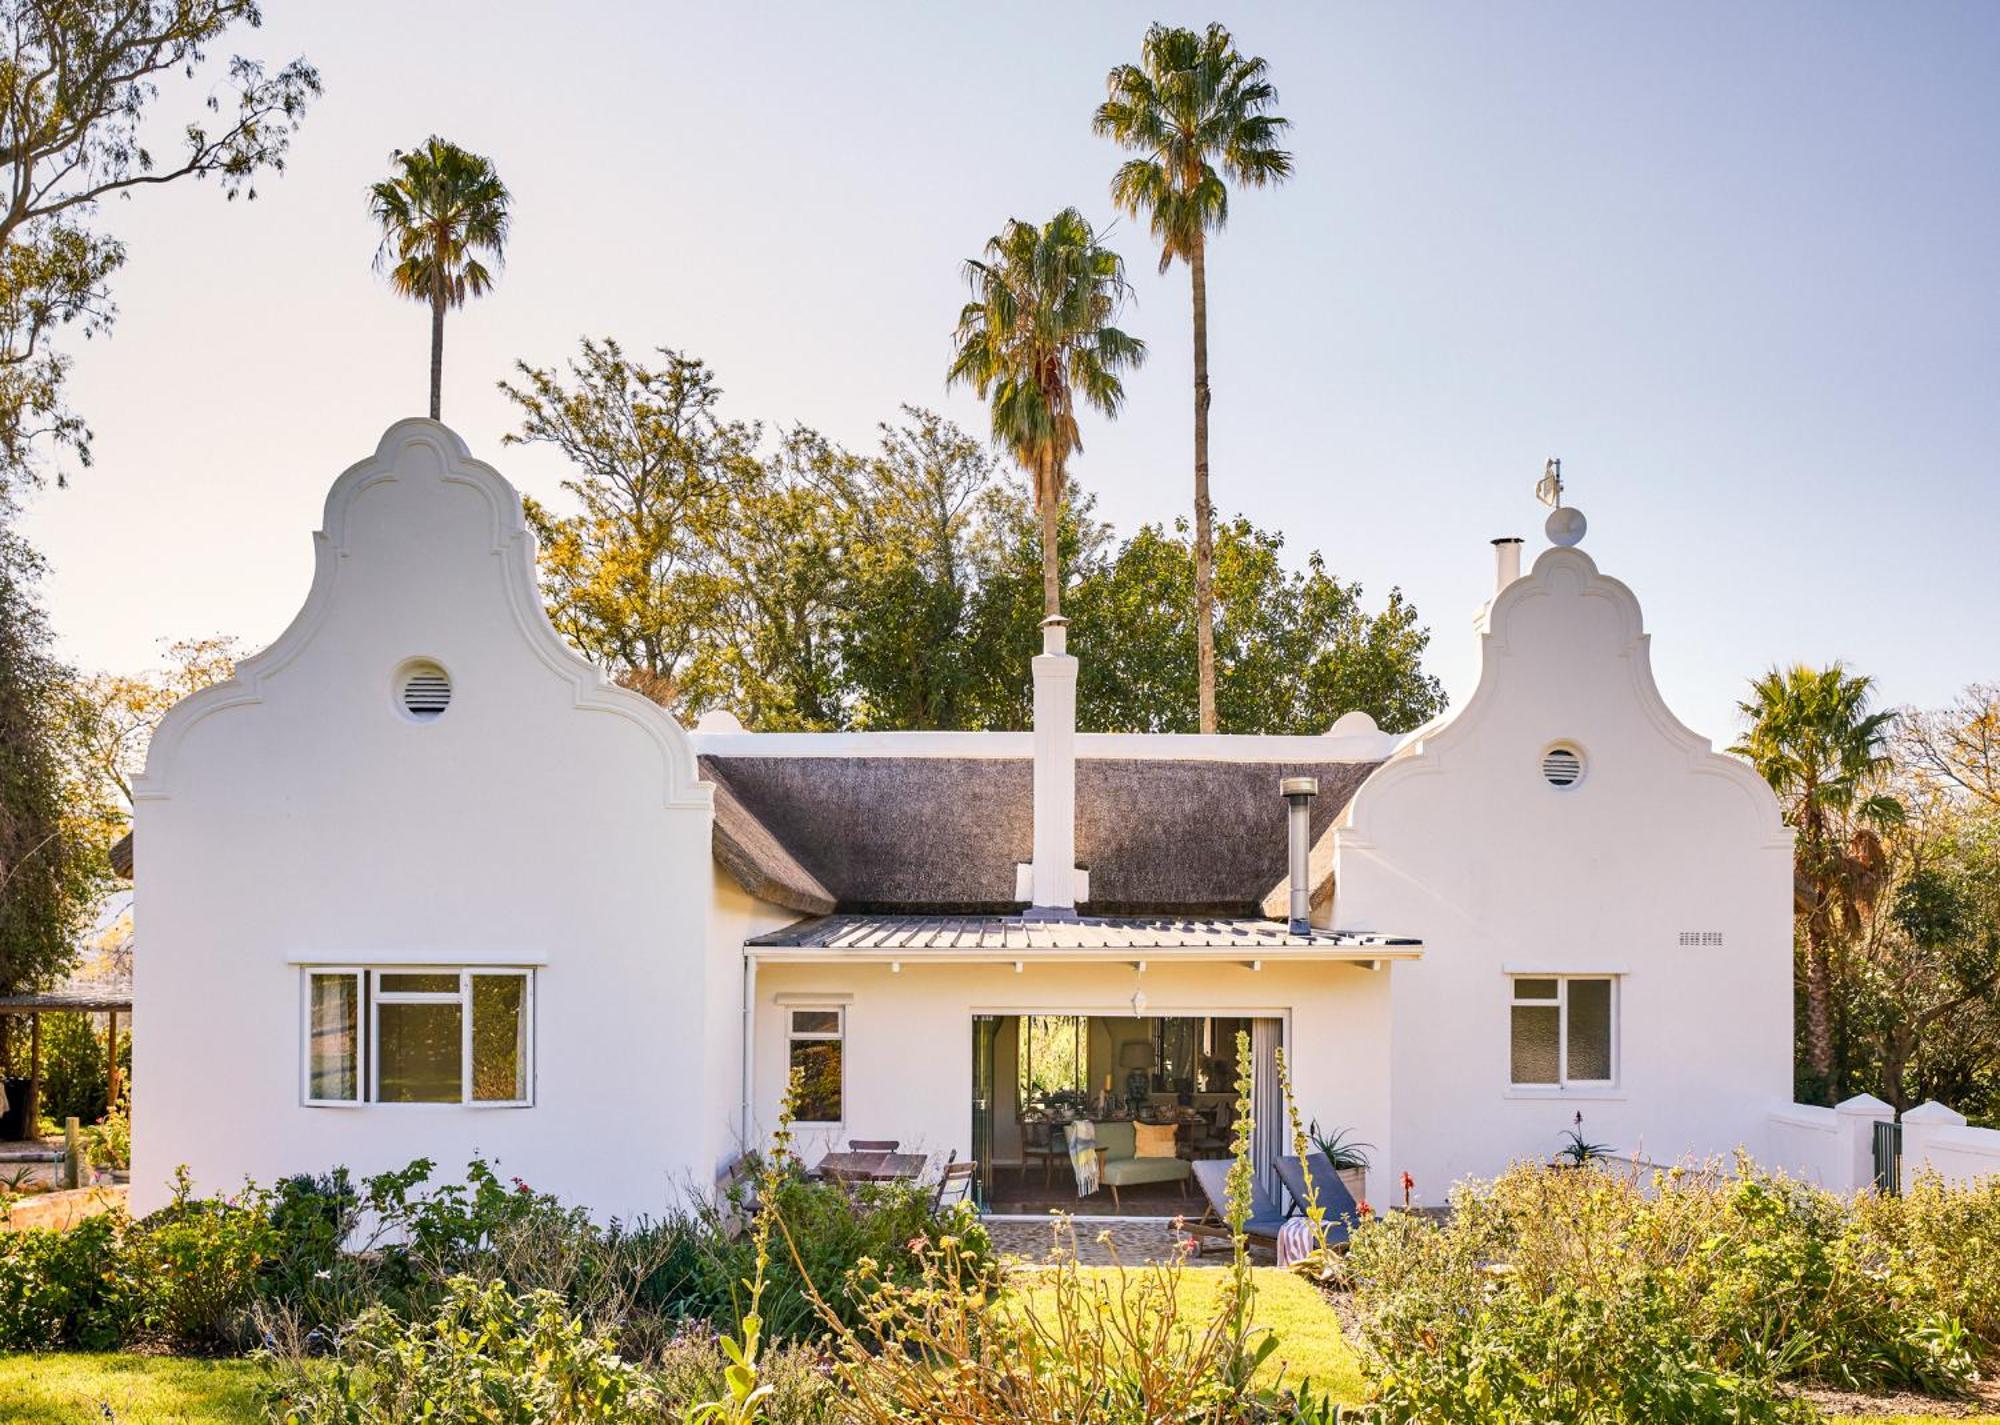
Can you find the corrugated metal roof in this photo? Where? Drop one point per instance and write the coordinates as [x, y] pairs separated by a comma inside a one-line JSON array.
[[1004, 937], [75, 996]]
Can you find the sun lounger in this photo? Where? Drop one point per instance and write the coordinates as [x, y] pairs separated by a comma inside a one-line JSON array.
[[1212, 1175], [1343, 1213]]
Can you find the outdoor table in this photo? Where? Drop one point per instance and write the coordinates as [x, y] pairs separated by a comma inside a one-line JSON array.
[[871, 1167]]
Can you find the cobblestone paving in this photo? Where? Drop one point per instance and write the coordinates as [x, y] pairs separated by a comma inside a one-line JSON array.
[[1134, 1241]]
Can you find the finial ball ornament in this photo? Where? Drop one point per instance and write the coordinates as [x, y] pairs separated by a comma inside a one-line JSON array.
[[1566, 526]]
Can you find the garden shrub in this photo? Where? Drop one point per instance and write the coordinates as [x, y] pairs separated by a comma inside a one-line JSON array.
[[1940, 1247], [196, 1265], [688, 1370], [1585, 1294], [485, 1355], [66, 1289]]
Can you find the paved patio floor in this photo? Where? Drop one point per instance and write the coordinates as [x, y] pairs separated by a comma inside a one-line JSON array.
[[1098, 1243]]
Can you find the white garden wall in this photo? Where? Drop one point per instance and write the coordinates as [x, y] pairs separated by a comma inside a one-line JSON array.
[[1937, 1141], [1833, 1148], [295, 815]]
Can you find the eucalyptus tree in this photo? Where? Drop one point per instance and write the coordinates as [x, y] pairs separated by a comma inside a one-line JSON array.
[[1196, 112], [1813, 738], [439, 211], [87, 92], [1039, 333]]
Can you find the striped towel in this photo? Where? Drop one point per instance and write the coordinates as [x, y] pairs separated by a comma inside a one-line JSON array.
[[1083, 1156], [1296, 1241]]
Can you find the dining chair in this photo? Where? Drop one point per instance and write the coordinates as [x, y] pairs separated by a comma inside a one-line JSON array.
[[873, 1145], [955, 1184]]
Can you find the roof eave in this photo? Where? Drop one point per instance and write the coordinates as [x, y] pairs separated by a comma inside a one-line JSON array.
[[1126, 955]]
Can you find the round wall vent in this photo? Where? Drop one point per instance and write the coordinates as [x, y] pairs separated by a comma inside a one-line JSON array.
[[1562, 766], [423, 691]]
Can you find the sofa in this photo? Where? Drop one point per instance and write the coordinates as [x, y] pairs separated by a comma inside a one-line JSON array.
[[1119, 1166]]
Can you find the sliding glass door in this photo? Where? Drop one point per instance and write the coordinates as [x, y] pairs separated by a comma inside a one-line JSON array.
[[985, 1034]]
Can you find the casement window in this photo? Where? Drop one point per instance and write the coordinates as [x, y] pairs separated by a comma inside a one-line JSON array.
[[1564, 1031], [816, 1041], [419, 1036]]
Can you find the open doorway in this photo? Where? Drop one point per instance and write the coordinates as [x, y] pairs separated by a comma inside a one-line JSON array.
[[1159, 1087]]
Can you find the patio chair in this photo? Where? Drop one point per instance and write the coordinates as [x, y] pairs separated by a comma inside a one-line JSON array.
[[1212, 1176], [873, 1145], [955, 1183], [1343, 1213]]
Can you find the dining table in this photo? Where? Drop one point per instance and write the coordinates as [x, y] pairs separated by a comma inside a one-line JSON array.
[[871, 1167]]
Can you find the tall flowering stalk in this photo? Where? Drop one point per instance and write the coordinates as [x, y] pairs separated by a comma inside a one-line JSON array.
[[1301, 1148], [744, 1403], [1240, 1294]]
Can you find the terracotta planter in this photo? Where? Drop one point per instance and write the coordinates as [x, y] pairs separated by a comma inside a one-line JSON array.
[[1355, 1180]]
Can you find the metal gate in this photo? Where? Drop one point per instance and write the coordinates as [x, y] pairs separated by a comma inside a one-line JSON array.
[[1888, 1158]]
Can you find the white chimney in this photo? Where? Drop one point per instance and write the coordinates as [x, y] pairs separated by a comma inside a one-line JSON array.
[[1298, 793], [1053, 880], [1506, 561]]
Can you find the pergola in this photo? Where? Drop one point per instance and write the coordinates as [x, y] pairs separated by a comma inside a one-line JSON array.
[[111, 997]]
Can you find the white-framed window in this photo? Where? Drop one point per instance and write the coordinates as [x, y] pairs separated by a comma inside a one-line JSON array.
[[816, 1050], [419, 1034], [1563, 1031]]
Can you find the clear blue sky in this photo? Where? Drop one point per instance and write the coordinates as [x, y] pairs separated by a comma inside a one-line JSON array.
[[1739, 266]]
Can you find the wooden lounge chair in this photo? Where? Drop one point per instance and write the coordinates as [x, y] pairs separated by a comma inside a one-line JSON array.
[[1343, 1213], [1212, 1176]]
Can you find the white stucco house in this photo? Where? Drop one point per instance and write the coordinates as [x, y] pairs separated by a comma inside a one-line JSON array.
[[419, 881]]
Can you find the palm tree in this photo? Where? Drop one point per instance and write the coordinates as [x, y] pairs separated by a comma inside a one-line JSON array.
[[442, 207], [1814, 740], [1037, 334], [1196, 111]]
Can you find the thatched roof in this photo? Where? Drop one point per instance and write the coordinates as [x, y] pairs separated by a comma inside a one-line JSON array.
[[942, 835]]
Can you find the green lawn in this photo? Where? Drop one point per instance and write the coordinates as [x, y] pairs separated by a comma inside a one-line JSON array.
[[62, 1388], [1311, 1346]]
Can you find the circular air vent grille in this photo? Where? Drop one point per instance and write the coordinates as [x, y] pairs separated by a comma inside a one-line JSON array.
[[1562, 767], [424, 691]]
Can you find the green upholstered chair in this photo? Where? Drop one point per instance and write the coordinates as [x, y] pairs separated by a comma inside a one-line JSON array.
[[1120, 1167]]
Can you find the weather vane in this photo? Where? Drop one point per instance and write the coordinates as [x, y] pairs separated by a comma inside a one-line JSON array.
[[1565, 525], [1549, 489]]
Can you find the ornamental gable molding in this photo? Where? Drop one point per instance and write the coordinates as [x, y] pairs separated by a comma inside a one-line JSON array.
[[418, 450], [1561, 572]]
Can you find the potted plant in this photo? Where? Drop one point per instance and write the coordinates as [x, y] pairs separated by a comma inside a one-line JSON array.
[[1348, 1155], [1578, 1151]]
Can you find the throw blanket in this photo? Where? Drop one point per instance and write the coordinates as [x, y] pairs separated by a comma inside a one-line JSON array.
[[1083, 1156], [1296, 1241]]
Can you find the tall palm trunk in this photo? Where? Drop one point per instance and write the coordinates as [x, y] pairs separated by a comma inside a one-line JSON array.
[[1204, 535], [437, 354], [1051, 512], [1819, 1008]]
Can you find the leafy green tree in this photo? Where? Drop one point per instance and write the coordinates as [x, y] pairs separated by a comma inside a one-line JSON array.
[[1038, 334], [633, 579], [48, 878], [440, 209], [1298, 649], [1196, 112], [1813, 738], [814, 587], [80, 82]]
